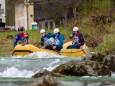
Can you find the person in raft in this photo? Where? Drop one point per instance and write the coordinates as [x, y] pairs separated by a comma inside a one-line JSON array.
[[78, 39], [46, 38], [21, 37], [58, 41]]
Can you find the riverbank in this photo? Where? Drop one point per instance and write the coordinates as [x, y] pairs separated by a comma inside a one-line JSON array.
[[96, 40]]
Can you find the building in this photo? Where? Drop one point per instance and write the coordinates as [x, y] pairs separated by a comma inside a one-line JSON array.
[[45, 12], [2, 11], [24, 15]]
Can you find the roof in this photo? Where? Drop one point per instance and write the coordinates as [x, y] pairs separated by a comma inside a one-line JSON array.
[[47, 1]]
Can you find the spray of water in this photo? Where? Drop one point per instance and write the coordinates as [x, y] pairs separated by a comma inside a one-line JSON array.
[[14, 72], [40, 55]]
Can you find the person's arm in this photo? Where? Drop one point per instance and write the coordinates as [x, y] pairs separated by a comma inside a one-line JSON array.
[[15, 40], [81, 39], [50, 35], [61, 39], [42, 42]]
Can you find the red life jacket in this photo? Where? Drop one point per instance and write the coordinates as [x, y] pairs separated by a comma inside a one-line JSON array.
[[77, 34], [24, 35]]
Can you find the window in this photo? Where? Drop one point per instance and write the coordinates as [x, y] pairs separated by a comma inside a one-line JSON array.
[[0, 20], [0, 6], [51, 24], [46, 25]]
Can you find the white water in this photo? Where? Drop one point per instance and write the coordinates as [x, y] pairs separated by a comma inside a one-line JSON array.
[[40, 55], [14, 72], [52, 65]]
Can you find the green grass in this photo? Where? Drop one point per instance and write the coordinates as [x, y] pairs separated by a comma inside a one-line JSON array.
[[6, 45], [107, 45]]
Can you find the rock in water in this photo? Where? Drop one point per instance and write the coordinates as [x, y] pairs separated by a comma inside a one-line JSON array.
[[46, 81], [95, 57], [110, 62], [42, 73], [83, 68]]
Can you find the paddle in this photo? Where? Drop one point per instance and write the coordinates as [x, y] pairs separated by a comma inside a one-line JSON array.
[[83, 49], [57, 51]]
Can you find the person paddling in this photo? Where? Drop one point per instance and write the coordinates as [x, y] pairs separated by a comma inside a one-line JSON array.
[[21, 37], [46, 39], [59, 41], [78, 39]]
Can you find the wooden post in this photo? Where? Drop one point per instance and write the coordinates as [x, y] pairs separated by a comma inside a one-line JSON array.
[[74, 13], [26, 3]]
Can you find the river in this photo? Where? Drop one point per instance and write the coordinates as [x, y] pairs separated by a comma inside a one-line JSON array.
[[18, 71]]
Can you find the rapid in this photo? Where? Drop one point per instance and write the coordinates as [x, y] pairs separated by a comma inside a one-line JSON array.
[[18, 71]]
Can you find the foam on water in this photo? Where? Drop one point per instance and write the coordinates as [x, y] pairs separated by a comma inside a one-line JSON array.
[[14, 72], [52, 65], [39, 55], [113, 75], [95, 77]]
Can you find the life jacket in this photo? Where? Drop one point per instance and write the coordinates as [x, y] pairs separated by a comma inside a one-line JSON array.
[[48, 41], [21, 38], [76, 38], [57, 42], [24, 35]]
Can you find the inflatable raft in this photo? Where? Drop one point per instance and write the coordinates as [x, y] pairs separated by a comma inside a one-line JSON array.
[[20, 50]]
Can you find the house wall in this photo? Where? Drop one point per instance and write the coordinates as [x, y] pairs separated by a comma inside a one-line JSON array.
[[2, 9], [30, 15], [21, 16], [46, 24]]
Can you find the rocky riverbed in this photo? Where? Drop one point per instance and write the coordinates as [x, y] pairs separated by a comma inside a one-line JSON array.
[[95, 64]]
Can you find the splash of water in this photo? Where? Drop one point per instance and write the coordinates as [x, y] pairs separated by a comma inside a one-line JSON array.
[[14, 72], [40, 55], [52, 65]]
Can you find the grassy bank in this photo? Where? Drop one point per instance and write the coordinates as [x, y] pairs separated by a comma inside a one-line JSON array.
[[104, 41], [6, 45]]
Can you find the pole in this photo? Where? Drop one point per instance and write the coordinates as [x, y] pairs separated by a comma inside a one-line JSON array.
[[26, 2]]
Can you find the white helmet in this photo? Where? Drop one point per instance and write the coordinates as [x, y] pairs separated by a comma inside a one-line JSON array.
[[42, 31], [56, 30], [75, 29]]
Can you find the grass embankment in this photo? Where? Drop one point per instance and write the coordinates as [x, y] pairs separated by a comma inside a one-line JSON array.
[[6, 45], [103, 40]]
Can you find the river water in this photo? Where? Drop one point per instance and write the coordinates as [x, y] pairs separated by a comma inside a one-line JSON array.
[[18, 71]]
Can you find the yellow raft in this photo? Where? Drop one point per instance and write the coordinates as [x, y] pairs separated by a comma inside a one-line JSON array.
[[20, 50]]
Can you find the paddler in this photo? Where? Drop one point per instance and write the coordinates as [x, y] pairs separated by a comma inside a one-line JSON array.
[[78, 39], [21, 37]]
